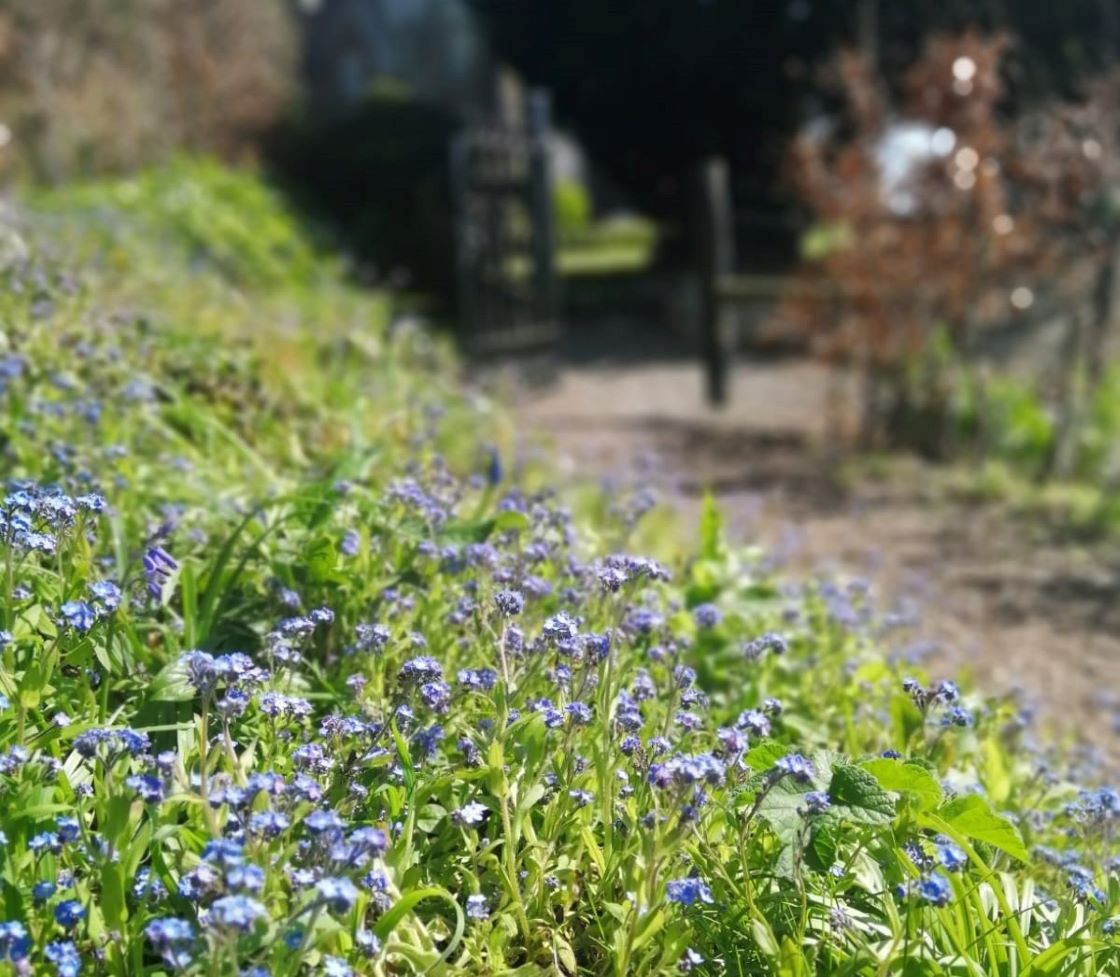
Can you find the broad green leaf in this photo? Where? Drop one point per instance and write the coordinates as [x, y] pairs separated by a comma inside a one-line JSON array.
[[171, 685], [972, 817], [906, 720], [468, 531], [856, 794], [997, 781], [912, 780], [762, 757]]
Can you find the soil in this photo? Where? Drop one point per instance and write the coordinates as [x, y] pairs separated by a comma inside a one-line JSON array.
[[999, 594]]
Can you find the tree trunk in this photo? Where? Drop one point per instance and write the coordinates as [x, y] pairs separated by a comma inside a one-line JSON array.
[[1062, 455]]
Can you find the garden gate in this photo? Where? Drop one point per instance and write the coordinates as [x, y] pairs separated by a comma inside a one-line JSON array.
[[505, 248]]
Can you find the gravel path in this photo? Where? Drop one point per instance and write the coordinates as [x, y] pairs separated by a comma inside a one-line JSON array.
[[998, 594]]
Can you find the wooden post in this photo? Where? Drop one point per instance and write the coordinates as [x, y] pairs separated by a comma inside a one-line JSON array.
[[544, 236], [717, 258], [867, 31], [464, 293]]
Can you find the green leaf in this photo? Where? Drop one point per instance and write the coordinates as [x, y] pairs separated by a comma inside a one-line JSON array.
[[972, 817], [856, 794], [511, 521], [912, 780], [429, 816], [407, 903], [820, 853], [712, 546], [906, 720], [996, 778], [171, 684], [320, 559], [781, 808], [468, 531], [112, 897], [762, 757]]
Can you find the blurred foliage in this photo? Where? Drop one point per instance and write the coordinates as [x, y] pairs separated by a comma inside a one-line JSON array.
[[105, 85], [379, 176], [571, 204], [652, 86], [216, 260], [625, 243], [208, 213]]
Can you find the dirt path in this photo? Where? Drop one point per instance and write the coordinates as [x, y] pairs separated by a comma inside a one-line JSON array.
[[997, 594]]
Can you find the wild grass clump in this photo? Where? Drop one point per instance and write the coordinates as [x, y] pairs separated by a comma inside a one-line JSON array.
[[300, 677]]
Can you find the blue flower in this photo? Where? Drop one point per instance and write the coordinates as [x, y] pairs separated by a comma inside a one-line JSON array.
[[268, 824], [64, 955], [685, 892], [707, 616], [477, 907], [68, 828], [223, 851], [482, 679], [755, 722], [1083, 885], [336, 967], [471, 814], [147, 786], [421, 669], [245, 878], [949, 856], [580, 713], [957, 717], [796, 766], [339, 894], [42, 891], [79, 615], [172, 937], [236, 912], [368, 943], [509, 602], [14, 941], [159, 565], [69, 913], [107, 593], [689, 961], [816, 802], [935, 889]]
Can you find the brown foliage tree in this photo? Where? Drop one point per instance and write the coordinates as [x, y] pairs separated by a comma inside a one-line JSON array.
[[99, 85], [944, 215]]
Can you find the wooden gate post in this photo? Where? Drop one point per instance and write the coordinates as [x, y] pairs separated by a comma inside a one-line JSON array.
[[540, 197], [717, 258]]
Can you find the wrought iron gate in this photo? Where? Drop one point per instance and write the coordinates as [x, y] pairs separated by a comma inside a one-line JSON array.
[[505, 249]]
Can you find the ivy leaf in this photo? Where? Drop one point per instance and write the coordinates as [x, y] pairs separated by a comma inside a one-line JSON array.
[[912, 780]]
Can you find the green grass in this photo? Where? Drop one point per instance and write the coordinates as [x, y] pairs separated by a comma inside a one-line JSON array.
[[468, 736]]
